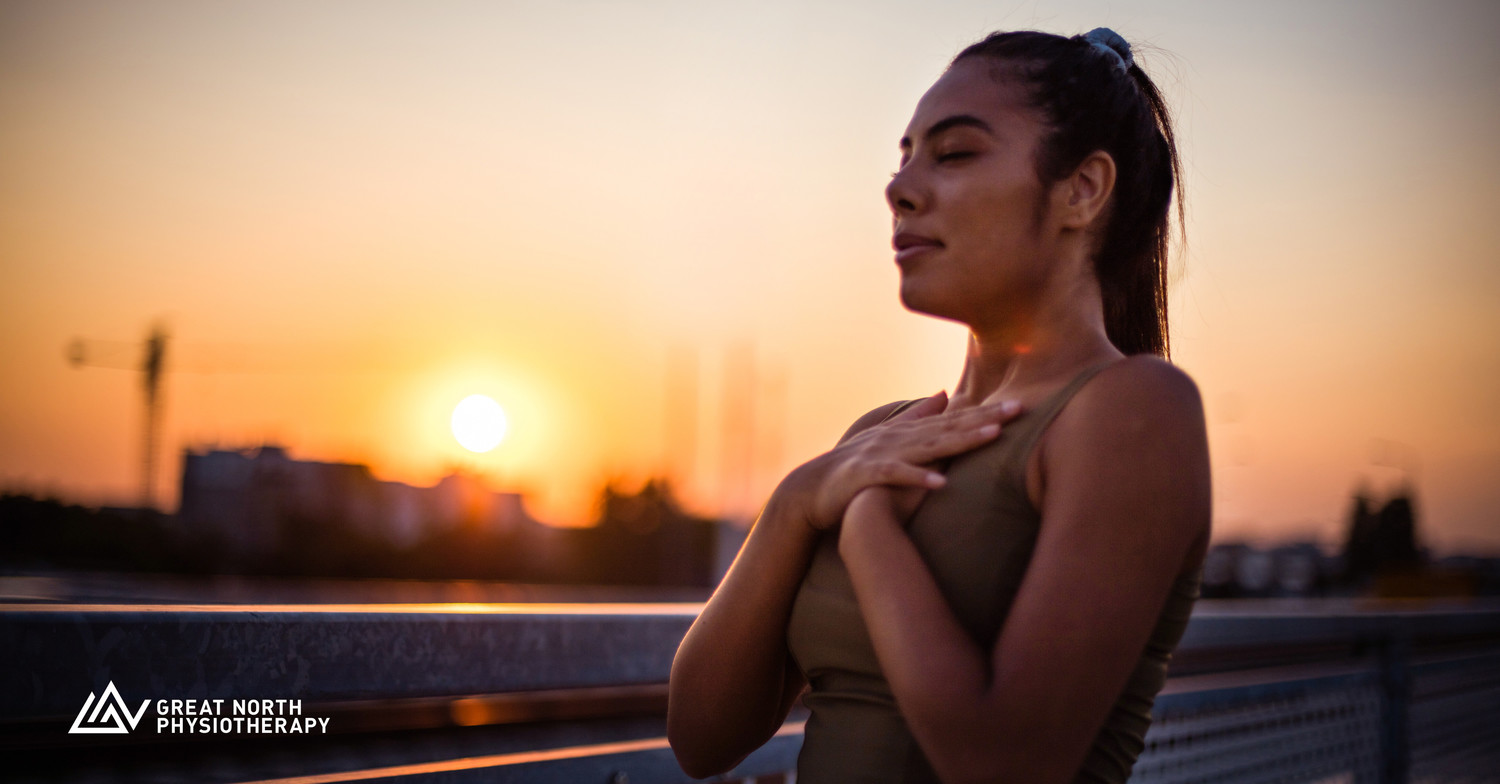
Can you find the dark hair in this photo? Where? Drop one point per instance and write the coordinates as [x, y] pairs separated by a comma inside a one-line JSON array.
[[1090, 102]]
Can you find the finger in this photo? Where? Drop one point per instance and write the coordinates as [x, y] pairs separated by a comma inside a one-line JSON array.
[[897, 473], [899, 434], [925, 442], [965, 420], [948, 443], [926, 408], [1000, 410]]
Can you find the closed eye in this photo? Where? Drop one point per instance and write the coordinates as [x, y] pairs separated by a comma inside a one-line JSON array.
[[954, 156]]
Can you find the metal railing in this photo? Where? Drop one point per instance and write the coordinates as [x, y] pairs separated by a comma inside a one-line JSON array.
[[1273, 691]]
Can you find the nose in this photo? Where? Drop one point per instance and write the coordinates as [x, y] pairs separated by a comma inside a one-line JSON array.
[[902, 193]]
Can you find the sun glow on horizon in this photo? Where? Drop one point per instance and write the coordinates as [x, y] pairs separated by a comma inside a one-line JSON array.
[[351, 232], [479, 423]]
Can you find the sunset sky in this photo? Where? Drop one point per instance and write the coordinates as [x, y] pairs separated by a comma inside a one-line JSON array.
[[352, 215]]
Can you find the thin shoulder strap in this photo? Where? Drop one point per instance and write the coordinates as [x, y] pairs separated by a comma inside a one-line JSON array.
[[1042, 415], [902, 406]]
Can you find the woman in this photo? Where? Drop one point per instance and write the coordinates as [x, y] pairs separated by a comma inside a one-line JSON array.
[[967, 604]]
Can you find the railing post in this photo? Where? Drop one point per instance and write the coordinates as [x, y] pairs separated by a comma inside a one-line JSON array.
[[1395, 680]]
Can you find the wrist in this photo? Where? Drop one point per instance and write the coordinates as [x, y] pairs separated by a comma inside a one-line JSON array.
[[787, 510], [870, 509], [872, 501], [798, 495]]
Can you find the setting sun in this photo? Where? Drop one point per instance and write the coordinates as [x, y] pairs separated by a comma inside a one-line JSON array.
[[478, 423]]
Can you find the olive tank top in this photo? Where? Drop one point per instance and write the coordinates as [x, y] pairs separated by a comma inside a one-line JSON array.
[[976, 534]]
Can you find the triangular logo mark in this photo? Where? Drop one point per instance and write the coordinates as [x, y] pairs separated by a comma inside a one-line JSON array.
[[109, 714]]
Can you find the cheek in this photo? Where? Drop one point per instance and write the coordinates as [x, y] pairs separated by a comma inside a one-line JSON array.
[[1003, 192], [999, 222], [1002, 254]]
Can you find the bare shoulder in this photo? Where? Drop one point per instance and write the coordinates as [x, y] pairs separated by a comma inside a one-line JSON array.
[[1137, 391], [1133, 436]]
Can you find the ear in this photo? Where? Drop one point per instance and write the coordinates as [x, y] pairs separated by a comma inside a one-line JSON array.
[[1082, 196]]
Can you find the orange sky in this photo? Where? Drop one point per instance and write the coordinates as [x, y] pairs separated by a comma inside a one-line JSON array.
[[353, 215]]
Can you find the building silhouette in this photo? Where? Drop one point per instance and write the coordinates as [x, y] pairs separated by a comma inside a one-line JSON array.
[[276, 514], [1383, 541], [250, 497]]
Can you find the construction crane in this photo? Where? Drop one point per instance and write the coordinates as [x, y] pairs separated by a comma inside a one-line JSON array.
[[152, 364]]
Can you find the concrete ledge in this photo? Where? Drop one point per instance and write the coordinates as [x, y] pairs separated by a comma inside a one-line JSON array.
[[1226, 623], [622, 762], [547, 692], [51, 657]]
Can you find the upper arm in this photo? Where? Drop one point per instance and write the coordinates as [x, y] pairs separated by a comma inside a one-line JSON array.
[[734, 680], [1125, 501], [794, 683]]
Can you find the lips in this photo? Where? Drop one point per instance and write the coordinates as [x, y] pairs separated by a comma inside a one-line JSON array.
[[909, 245]]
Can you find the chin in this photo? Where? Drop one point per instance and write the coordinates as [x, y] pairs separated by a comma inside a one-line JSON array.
[[917, 299]]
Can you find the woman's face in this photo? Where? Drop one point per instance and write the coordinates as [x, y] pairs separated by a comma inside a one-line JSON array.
[[970, 222]]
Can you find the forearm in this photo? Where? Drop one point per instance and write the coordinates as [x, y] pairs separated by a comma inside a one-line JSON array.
[[731, 680], [729, 674], [941, 678], [1125, 513]]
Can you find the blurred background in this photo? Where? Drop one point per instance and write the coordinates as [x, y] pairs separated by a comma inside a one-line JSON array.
[[253, 256]]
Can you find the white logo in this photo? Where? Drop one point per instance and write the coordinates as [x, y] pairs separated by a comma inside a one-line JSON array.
[[109, 714]]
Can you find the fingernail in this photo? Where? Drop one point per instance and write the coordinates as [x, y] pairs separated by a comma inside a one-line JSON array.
[[990, 430], [1009, 407], [935, 479]]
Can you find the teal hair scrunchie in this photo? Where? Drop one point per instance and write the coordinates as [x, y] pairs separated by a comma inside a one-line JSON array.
[[1110, 41]]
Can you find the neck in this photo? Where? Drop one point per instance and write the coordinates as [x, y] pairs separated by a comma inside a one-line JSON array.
[[1021, 355]]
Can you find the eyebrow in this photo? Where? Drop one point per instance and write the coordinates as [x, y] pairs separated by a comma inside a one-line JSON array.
[[956, 121]]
